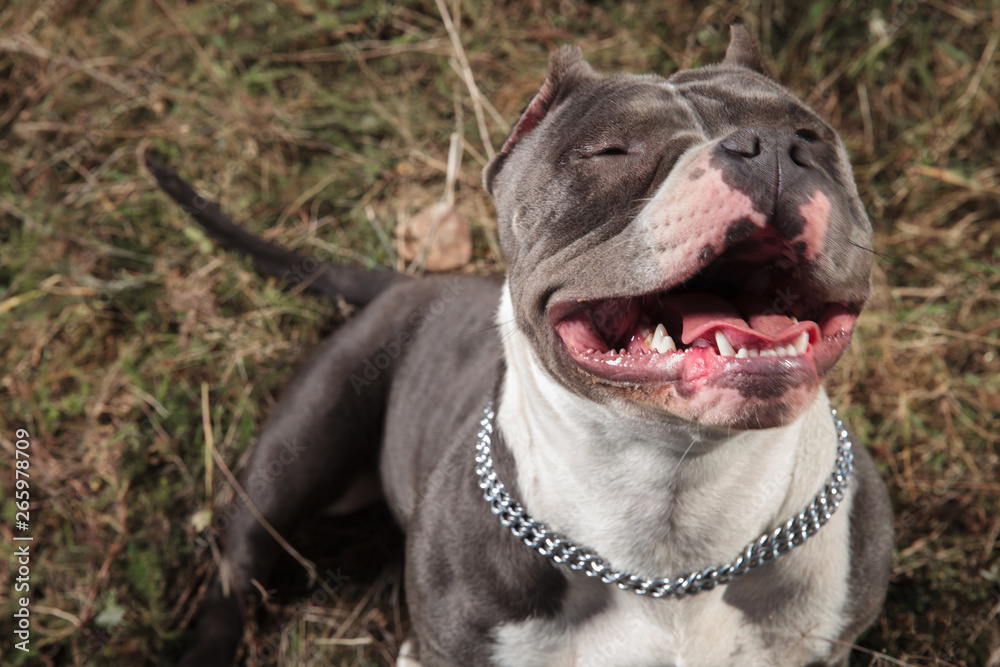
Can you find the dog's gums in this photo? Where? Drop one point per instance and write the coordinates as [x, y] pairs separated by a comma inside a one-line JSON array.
[[747, 312]]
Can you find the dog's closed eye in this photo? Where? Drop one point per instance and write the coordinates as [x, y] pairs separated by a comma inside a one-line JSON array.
[[600, 150]]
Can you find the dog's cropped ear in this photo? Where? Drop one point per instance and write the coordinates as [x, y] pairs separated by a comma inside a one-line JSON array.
[[567, 69], [743, 50]]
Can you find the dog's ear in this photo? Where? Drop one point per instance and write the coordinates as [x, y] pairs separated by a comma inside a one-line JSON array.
[[743, 50], [567, 69]]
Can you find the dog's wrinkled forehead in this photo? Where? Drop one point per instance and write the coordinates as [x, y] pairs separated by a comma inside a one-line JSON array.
[[589, 138]]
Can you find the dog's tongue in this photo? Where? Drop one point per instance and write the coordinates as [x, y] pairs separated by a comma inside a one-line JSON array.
[[760, 314], [700, 312]]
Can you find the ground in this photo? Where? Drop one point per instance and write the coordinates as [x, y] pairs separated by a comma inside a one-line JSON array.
[[125, 333]]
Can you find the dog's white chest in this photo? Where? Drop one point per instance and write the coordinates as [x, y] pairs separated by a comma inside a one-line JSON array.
[[642, 632]]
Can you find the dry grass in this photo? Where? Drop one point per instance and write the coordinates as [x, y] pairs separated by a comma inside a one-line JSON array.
[[321, 128]]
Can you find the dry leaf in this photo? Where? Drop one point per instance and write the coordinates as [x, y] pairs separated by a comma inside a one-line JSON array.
[[440, 234]]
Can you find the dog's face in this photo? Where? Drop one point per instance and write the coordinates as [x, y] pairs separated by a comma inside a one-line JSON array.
[[713, 203]]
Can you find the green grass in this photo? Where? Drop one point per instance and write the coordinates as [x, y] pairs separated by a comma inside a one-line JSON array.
[[318, 127]]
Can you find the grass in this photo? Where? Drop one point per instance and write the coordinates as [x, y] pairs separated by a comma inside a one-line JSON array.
[[321, 127]]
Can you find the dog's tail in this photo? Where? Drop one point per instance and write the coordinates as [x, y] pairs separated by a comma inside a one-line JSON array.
[[356, 285]]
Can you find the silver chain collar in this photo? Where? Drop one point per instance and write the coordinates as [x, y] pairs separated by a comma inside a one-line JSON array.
[[765, 548]]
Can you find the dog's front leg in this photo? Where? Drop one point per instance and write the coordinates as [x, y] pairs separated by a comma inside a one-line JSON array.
[[321, 433]]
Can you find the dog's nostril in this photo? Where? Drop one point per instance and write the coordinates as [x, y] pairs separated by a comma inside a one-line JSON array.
[[743, 144], [805, 134], [798, 156]]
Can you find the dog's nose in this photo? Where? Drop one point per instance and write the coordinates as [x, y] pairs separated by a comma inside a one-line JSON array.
[[766, 144], [777, 168], [745, 143]]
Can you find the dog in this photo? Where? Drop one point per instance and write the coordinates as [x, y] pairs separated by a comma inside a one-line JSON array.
[[620, 453]]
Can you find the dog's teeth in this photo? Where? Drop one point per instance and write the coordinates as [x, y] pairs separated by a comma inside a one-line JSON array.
[[659, 334], [725, 347], [768, 353], [794, 319], [662, 343], [647, 335], [742, 353], [754, 353], [802, 342]]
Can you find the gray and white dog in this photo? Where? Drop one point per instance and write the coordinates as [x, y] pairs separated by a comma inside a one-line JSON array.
[[619, 454]]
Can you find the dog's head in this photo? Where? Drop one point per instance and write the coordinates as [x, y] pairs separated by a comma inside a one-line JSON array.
[[713, 203]]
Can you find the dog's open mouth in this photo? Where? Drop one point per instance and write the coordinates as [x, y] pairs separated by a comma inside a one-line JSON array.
[[747, 313]]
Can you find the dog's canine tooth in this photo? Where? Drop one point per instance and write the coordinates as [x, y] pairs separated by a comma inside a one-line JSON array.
[[725, 347], [802, 342]]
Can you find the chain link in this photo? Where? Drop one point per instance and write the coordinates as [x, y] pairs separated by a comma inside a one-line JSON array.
[[765, 548]]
